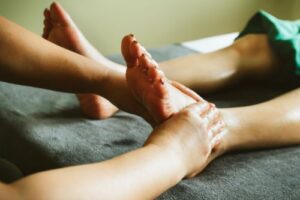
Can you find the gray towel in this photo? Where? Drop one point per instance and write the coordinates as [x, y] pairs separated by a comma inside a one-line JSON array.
[[42, 129]]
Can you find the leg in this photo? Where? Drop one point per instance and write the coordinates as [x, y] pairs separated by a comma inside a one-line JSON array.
[[30, 60], [271, 124], [275, 123], [61, 30], [250, 57]]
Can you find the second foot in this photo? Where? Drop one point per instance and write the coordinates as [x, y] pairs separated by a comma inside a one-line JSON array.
[[96, 107], [60, 29]]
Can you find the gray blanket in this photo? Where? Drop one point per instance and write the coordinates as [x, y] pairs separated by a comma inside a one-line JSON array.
[[42, 129]]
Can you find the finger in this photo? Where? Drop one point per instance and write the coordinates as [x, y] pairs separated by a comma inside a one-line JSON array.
[[217, 139], [199, 108], [213, 115], [187, 91], [217, 128]]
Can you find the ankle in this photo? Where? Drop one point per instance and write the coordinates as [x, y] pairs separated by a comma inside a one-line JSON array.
[[230, 141], [110, 86], [173, 157]]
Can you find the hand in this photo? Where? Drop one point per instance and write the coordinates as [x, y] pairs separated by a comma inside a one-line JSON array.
[[192, 136]]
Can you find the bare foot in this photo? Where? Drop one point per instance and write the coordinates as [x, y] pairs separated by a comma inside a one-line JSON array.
[[161, 97], [61, 30]]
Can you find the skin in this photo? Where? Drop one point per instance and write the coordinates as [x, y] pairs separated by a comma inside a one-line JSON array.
[[61, 30], [174, 146], [249, 57], [40, 63], [245, 128], [165, 159], [66, 71]]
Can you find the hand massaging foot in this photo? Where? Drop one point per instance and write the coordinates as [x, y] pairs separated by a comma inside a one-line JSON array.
[[161, 97]]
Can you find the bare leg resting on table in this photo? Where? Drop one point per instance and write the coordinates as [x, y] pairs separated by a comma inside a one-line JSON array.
[[74, 73], [267, 125], [248, 57], [246, 60], [36, 62]]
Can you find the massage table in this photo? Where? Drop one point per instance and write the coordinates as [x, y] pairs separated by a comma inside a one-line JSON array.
[[42, 129]]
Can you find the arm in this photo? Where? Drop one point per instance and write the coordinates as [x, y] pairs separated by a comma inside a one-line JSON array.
[[141, 174], [30, 60], [180, 147]]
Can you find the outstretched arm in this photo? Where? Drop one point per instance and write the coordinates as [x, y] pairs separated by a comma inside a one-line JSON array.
[[141, 174], [180, 147], [30, 60]]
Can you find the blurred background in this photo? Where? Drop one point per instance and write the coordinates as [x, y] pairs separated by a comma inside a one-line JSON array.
[[155, 22]]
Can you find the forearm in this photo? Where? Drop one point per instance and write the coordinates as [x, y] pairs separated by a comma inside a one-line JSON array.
[[141, 174], [30, 60]]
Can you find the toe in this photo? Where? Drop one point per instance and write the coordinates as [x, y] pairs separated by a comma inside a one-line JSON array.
[[47, 23], [125, 48], [154, 76], [151, 70], [137, 50], [47, 14], [59, 15]]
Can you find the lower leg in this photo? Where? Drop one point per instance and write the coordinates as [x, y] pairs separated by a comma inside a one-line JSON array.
[[36, 62], [275, 123], [60, 29], [248, 57], [271, 124]]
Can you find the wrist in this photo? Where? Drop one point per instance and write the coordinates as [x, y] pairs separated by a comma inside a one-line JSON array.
[[173, 157]]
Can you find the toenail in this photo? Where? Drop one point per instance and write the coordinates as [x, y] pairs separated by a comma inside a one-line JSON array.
[[161, 81]]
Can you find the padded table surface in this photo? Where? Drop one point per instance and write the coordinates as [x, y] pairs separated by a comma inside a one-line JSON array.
[[42, 129]]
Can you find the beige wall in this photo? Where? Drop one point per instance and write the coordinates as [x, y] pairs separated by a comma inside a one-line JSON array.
[[296, 10], [155, 22]]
